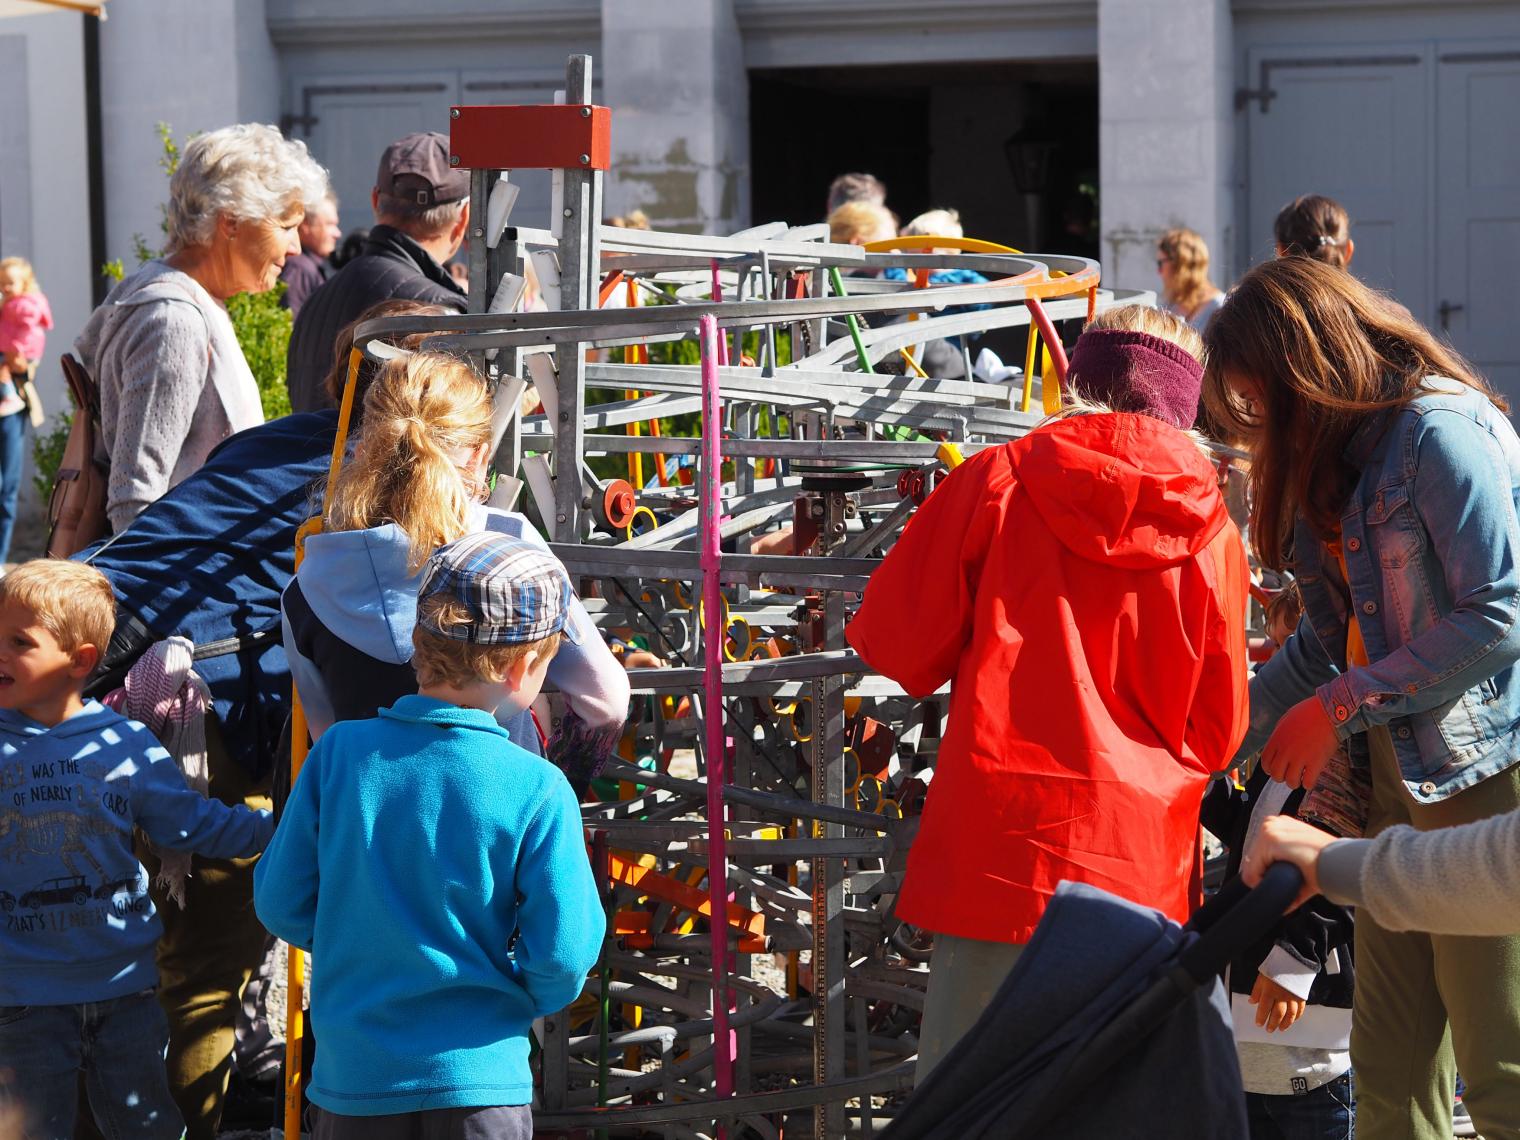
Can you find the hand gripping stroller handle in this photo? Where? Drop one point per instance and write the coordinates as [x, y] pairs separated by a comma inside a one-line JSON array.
[[1236, 917]]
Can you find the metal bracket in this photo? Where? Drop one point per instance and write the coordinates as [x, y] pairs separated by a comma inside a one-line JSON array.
[[1264, 92]]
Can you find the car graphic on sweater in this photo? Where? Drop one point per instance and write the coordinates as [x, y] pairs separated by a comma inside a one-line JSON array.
[[111, 886], [52, 892]]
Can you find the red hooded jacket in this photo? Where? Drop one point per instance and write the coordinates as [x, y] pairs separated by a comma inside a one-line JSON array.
[[1086, 589]]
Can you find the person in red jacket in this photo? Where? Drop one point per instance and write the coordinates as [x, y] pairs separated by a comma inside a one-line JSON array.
[[1085, 591]]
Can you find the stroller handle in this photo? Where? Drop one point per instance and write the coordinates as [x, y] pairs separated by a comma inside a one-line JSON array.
[[1236, 917]]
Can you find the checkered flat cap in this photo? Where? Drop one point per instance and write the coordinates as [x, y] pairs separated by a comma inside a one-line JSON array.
[[514, 591]]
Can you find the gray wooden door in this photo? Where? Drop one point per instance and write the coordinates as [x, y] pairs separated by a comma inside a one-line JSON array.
[[1478, 208], [349, 121], [1355, 125]]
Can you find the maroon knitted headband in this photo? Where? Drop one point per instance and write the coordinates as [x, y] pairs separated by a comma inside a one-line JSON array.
[[1137, 372]]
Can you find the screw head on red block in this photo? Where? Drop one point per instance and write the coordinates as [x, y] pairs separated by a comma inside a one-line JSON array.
[[618, 503]]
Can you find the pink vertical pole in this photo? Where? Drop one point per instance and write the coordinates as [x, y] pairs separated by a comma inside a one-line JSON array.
[[712, 704]]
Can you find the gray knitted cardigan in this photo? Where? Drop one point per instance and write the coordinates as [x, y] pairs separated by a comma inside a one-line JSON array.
[[1457, 880], [173, 383]]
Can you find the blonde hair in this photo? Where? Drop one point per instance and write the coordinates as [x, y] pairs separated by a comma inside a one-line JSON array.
[[248, 172], [420, 414], [862, 220], [71, 600], [935, 223], [28, 276], [441, 660], [1189, 255], [1154, 322]]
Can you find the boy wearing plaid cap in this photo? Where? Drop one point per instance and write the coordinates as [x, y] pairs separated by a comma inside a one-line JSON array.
[[438, 871]]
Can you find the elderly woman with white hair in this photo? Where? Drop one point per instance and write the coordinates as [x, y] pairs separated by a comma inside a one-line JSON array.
[[173, 379]]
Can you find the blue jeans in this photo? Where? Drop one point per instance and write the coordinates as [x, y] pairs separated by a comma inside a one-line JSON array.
[[1326, 1113], [119, 1044], [12, 450]]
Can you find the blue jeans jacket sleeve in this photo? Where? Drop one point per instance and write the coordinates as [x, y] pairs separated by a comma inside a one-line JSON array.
[[1292, 675], [1463, 494]]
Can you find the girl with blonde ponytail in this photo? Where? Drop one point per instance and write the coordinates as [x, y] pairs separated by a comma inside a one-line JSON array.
[[414, 481], [421, 458]]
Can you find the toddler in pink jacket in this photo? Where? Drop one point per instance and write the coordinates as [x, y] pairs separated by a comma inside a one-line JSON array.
[[24, 320]]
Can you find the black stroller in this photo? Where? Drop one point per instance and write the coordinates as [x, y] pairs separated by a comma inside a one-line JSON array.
[[1113, 1024]]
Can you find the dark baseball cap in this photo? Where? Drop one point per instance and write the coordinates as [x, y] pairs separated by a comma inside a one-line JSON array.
[[416, 169]]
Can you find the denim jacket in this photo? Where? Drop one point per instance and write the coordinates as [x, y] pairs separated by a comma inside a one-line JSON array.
[[1432, 546]]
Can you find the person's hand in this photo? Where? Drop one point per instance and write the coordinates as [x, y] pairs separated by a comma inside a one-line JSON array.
[[643, 659], [1283, 839], [1301, 745], [1276, 1008]]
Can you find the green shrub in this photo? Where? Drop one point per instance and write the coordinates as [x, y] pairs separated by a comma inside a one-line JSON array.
[[262, 325], [47, 453]]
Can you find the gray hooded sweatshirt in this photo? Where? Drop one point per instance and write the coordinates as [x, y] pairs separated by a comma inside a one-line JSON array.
[[173, 384]]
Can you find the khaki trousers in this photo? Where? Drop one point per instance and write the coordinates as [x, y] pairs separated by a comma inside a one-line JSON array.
[[206, 956], [1428, 1005], [964, 974]]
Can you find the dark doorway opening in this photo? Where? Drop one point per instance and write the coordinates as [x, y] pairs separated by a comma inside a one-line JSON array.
[[938, 136]]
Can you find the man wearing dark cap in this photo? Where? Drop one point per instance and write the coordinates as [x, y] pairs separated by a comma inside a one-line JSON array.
[[422, 209]]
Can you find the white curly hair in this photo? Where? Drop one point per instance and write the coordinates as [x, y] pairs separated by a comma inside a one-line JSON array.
[[249, 172]]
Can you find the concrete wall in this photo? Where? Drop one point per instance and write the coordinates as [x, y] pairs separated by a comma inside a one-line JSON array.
[[679, 94], [194, 64], [44, 195], [1165, 79], [835, 33]]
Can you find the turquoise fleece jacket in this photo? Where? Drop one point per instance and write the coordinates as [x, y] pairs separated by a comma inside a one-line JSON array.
[[78, 925], [438, 874]]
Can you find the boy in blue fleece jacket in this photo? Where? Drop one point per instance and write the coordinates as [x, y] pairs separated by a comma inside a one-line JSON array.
[[79, 930], [437, 871]]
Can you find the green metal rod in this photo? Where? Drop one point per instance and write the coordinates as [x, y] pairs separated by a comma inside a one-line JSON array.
[[853, 321]]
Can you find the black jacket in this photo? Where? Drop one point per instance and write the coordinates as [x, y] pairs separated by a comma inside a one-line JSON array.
[[391, 266], [1312, 933]]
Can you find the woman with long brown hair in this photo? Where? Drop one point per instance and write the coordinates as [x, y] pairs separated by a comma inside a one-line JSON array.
[[1385, 474]]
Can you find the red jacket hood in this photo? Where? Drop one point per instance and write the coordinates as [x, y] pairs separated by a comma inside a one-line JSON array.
[[1127, 490]]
